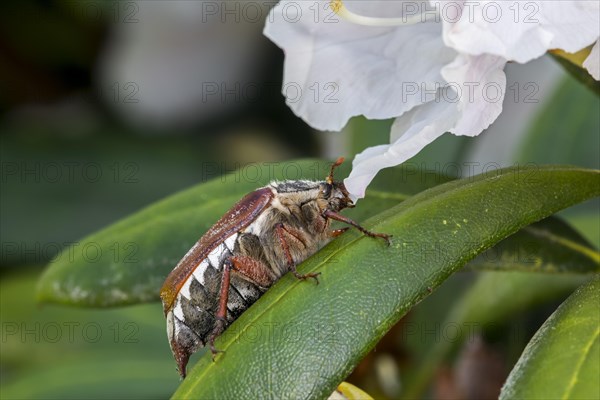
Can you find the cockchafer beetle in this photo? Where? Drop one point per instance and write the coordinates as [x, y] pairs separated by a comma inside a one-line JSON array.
[[266, 234]]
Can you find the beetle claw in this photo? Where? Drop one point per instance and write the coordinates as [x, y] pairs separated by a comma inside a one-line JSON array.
[[214, 352], [219, 327], [384, 236], [313, 275]]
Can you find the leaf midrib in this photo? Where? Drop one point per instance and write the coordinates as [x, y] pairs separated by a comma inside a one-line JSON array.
[[433, 195], [580, 363], [568, 243]]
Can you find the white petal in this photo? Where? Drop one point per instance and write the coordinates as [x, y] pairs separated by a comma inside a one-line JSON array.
[[464, 107], [414, 130], [592, 63], [334, 71], [480, 83], [519, 30]]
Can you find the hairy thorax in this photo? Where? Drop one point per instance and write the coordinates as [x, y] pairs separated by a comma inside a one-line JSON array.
[[262, 237], [304, 228]]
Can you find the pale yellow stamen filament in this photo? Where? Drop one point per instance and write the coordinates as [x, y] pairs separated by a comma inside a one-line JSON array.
[[340, 9]]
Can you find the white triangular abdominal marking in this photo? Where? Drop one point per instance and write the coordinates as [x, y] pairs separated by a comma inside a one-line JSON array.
[[262, 232], [230, 242], [178, 311], [214, 257], [199, 271], [185, 289]]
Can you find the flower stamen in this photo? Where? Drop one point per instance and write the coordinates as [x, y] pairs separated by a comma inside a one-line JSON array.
[[340, 9]]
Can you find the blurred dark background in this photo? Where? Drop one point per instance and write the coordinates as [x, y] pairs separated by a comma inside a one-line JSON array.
[[106, 107], [109, 106]]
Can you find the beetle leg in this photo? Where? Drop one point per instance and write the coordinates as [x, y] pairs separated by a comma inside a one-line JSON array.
[[252, 269], [281, 231], [338, 217], [337, 232], [220, 318]]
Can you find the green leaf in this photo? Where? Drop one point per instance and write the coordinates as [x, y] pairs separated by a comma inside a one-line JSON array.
[[587, 224], [573, 64], [300, 340], [565, 130], [494, 298], [561, 361], [127, 262], [62, 353], [550, 245], [98, 377], [365, 133]]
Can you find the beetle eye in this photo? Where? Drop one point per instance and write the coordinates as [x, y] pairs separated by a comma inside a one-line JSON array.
[[327, 190]]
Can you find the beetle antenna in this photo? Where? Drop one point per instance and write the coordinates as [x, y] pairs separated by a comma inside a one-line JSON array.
[[336, 164]]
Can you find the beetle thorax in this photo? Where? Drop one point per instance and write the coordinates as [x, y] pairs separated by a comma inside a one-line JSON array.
[[293, 194]]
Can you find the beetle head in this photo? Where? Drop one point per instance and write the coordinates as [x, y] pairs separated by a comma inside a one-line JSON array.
[[334, 191]]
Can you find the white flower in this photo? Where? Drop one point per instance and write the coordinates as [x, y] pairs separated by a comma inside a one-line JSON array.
[[522, 31], [436, 69], [592, 63], [335, 70]]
